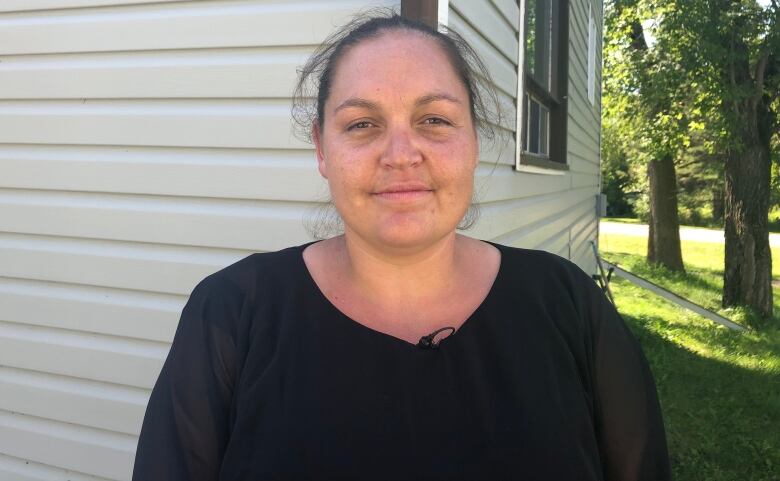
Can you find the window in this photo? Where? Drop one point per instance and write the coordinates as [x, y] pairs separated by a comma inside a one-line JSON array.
[[591, 57], [542, 87]]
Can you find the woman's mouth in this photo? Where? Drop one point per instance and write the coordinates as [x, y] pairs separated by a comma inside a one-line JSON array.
[[404, 192]]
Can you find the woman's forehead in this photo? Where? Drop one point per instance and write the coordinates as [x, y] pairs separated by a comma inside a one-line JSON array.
[[399, 63]]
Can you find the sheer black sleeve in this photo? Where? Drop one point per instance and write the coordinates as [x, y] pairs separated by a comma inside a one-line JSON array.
[[629, 425], [186, 426]]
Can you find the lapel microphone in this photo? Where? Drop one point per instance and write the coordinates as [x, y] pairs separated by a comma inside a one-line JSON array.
[[426, 342]]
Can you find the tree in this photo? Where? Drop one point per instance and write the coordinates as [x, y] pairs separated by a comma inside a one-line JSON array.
[[735, 48], [643, 91]]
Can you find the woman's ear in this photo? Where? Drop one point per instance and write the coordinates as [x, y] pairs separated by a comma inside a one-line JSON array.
[[316, 135]]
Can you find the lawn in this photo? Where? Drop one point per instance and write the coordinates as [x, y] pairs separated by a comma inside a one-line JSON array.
[[719, 389]]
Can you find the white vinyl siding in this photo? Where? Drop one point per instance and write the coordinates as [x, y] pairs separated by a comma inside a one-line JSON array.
[[584, 126], [553, 210], [143, 146]]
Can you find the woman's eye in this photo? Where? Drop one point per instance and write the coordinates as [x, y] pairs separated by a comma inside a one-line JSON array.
[[435, 121], [360, 125]]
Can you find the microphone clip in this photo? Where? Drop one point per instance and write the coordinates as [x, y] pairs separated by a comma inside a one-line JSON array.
[[426, 342]]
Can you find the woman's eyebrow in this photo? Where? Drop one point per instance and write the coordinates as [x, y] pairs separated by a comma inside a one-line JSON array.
[[357, 102], [367, 104], [426, 99]]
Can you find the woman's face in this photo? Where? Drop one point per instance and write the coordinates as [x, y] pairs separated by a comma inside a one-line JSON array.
[[398, 145]]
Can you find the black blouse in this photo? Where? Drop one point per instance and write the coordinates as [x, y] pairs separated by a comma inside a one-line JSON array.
[[266, 379]]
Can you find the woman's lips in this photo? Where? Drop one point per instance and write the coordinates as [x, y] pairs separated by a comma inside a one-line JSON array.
[[404, 192], [403, 195]]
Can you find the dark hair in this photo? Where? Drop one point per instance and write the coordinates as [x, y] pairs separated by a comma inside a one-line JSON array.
[[316, 76]]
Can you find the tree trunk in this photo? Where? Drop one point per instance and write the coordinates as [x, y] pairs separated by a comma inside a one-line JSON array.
[[747, 277], [717, 205], [663, 242]]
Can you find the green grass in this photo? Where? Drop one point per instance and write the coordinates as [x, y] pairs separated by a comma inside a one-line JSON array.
[[719, 389], [702, 282], [774, 222], [625, 220]]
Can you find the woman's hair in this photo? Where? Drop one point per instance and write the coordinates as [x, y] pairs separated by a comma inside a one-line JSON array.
[[316, 77]]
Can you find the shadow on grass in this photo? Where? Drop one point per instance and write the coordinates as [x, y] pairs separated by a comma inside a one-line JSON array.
[[721, 419]]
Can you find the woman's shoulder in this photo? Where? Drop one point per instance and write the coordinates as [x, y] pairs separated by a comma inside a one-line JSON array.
[[257, 271], [536, 264], [544, 278]]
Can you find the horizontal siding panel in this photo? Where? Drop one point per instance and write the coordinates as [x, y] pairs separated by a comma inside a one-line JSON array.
[[587, 168], [98, 405], [578, 179], [509, 10], [226, 223], [583, 231], [553, 223], [582, 252], [500, 150], [141, 267], [580, 108], [183, 123], [17, 469], [584, 225], [224, 173], [586, 137], [490, 24], [500, 218], [583, 166], [212, 73], [580, 160], [99, 310], [27, 5], [71, 447], [558, 245], [502, 71], [89, 356], [505, 183], [200, 24]]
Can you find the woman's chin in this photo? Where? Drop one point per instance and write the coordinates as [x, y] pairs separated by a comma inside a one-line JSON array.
[[402, 231], [410, 236]]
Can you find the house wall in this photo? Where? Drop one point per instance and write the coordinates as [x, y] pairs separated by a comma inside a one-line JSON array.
[[553, 211], [145, 144]]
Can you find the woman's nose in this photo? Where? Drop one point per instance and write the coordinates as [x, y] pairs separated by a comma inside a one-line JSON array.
[[401, 149]]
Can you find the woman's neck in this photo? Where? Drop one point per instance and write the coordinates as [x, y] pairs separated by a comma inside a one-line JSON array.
[[400, 275]]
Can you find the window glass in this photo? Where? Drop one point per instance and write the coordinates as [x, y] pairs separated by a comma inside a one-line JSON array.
[[536, 138], [538, 41]]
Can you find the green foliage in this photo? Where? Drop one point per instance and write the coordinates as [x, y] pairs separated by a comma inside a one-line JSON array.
[[618, 179], [700, 182], [719, 389], [676, 95]]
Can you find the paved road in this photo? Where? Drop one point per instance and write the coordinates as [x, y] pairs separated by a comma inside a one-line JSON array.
[[686, 233]]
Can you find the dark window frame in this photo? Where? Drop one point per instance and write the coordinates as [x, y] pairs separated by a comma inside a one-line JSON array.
[[426, 11], [556, 101]]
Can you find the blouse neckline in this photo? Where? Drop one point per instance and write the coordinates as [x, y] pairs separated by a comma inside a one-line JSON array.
[[467, 325]]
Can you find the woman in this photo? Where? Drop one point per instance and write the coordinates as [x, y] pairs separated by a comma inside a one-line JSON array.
[[338, 360]]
